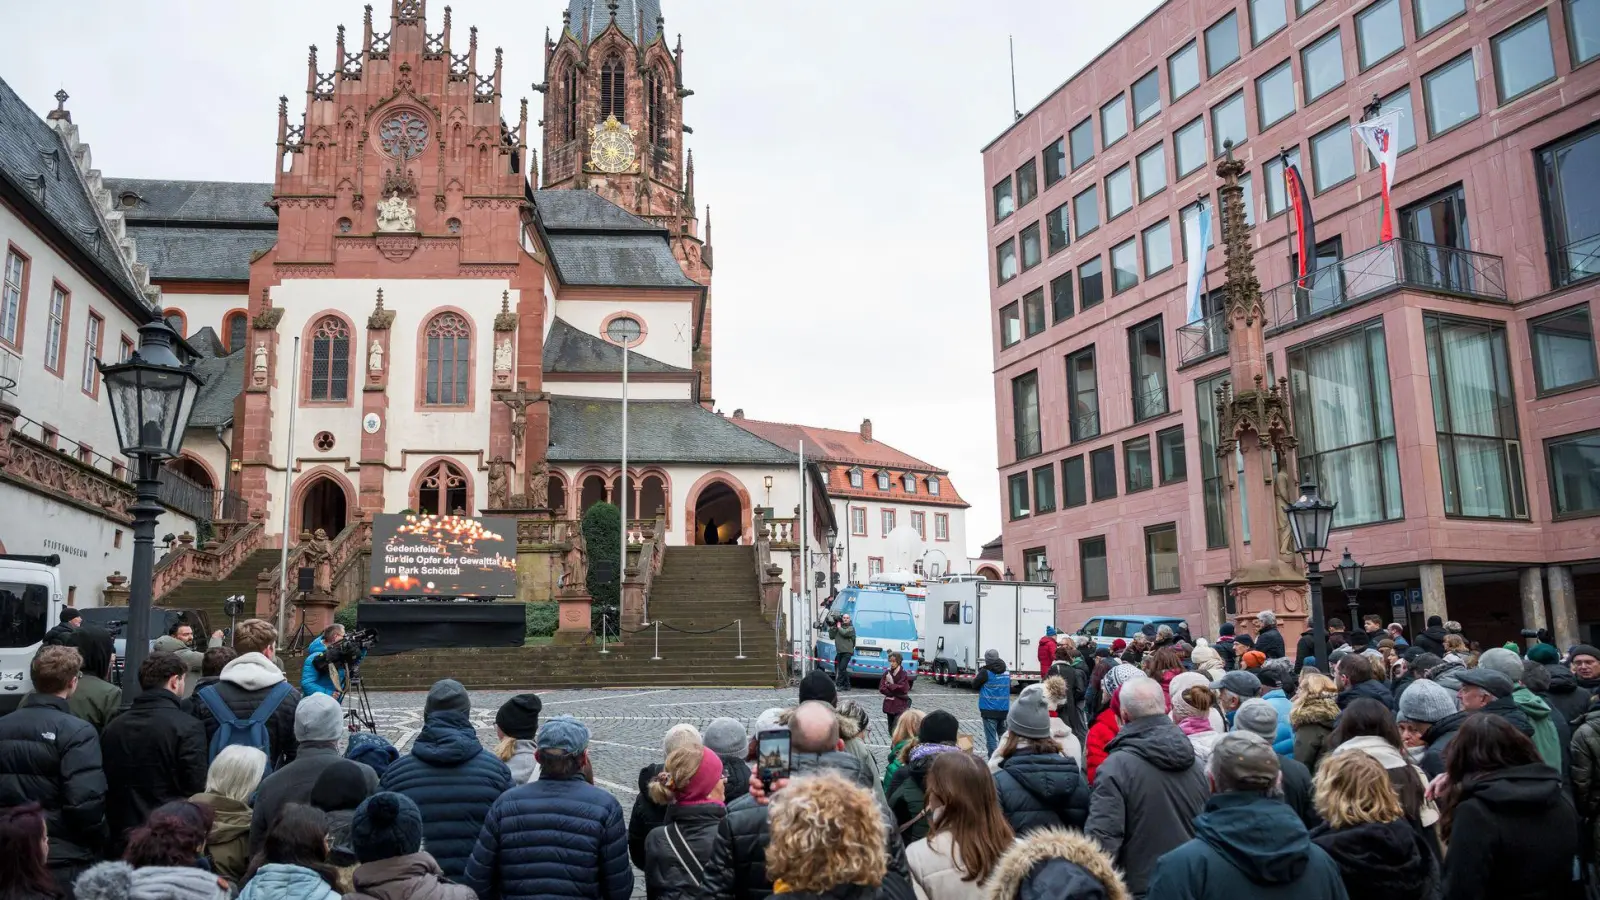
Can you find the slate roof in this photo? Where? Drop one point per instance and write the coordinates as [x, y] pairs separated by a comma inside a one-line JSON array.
[[571, 350], [616, 260], [203, 254], [569, 209], [222, 378], [598, 15], [37, 164], [194, 201], [584, 429]]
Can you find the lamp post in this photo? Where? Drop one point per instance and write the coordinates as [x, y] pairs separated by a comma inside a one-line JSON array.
[[151, 397], [1350, 579], [1310, 519]]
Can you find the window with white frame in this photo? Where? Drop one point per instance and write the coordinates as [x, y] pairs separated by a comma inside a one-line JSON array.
[[919, 523], [874, 566], [933, 485], [909, 482], [855, 478], [858, 521], [55, 331], [91, 352], [886, 519], [11, 298], [883, 481], [941, 527]]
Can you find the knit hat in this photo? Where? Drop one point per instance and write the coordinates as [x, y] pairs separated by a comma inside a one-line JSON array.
[[1544, 654], [1179, 685], [1504, 661], [818, 686], [447, 695], [1582, 650], [372, 749], [1030, 714], [68, 614], [991, 656], [341, 786], [386, 825], [1257, 716], [772, 717], [725, 736], [1119, 645], [1425, 702], [1204, 657], [1447, 674], [519, 717], [318, 718], [1120, 674], [1226, 629], [1491, 680], [563, 734], [1049, 631], [1275, 672], [1247, 759], [704, 781], [1252, 659], [1240, 683], [938, 727]]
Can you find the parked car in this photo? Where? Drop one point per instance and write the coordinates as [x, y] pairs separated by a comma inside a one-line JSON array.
[[1106, 629]]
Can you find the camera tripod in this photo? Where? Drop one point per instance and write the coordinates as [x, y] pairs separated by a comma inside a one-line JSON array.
[[359, 715]]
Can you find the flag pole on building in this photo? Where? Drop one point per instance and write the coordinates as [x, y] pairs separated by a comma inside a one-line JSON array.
[[1377, 131]]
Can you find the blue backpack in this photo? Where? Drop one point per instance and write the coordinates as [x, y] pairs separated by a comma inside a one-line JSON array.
[[251, 732]]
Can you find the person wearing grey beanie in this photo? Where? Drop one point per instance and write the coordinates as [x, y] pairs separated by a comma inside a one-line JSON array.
[[1260, 717], [318, 726], [725, 737], [1427, 720], [1039, 785]]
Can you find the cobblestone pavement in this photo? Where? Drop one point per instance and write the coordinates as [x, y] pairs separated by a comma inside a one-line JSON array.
[[627, 725]]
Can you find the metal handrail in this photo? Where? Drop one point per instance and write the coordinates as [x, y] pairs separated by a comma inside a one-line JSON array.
[[1378, 270], [1028, 444], [1200, 339], [1577, 260]]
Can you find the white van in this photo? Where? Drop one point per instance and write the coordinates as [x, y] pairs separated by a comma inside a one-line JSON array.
[[30, 604]]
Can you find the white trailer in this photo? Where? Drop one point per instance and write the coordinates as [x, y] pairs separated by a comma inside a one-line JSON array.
[[964, 619]]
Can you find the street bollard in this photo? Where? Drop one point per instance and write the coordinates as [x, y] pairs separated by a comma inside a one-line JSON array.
[[657, 657], [740, 623], [603, 650]]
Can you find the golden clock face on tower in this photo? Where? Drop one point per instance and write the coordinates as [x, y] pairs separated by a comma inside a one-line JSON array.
[[611, 148]]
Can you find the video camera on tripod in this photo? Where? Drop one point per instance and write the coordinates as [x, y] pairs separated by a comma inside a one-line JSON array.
[[350, 651]]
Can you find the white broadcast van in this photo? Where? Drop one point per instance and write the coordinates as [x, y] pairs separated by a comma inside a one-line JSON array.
[[966, 618], [30, 605]]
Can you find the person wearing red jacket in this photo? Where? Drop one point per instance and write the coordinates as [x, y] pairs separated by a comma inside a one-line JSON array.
[[1047, 651], [896, 690]]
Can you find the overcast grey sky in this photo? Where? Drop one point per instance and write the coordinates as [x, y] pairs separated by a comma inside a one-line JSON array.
[[837, 142]]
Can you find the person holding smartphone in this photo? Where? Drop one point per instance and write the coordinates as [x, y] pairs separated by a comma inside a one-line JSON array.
[[896, 690]]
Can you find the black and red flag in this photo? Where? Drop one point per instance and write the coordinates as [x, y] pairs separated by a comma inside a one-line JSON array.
[[1305, 226]]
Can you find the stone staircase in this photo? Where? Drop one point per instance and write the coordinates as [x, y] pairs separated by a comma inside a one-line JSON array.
[[698, 589], [207, 596]]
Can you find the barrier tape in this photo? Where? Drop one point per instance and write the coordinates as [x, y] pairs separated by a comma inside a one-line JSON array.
[[924, 669]]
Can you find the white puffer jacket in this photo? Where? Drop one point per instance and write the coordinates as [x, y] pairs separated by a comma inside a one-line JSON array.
[[936, 872]]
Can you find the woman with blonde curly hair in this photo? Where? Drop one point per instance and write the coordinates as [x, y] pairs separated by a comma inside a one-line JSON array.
[[902, 742], [827, 841], [691, 787], [1312, 714], [1382, 855]]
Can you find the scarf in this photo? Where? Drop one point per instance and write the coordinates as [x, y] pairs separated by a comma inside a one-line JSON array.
[[922, 750]]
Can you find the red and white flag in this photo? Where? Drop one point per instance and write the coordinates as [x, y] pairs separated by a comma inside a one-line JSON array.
[[1379, 135]]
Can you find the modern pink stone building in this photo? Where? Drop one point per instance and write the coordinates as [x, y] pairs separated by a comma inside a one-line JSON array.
[[1444, 386]]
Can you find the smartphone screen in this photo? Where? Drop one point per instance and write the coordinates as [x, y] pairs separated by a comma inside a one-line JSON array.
[[772, 755]]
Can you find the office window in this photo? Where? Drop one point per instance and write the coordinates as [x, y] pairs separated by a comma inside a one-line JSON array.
[[1044, 489], [1092, 568], [1113, 121], [858, 521], [941, 527], [1405, 131], [1161, 558], [1563, 349], [1378, 33], [1430, 14], [1091, 284], [1017, 492], [1061, 297], [1340, 390], [1568, 171], [1005, 258], [1583, 30], [1010, 324], [1083, 395], [1248, 198], [1031, 252], [1004, 200], [1033, 312], [1025, 414], [1086, 209], [1147, 360], [1222, 44], [1136, 466], [1227, 123], [1055, 226], [1574, 474], [1301, 7], [93, 329], [1027, 183], [1157, 248], [1170, 454], [1146, 98], [1523, 59], [919, 524], [1451, 92], [1124, 266], [1267, 17], [1322, 65], [1272, 174], [1152, 171], [1119, 193], [1189, 147], [1474, 412], [1055, 162], [1081, 142], [1183, 71], [55, 334], [886, 518], [1436, 222], [1103, 473], [1073, 490], [1275, 95], [1333, 159], [1212, 487]]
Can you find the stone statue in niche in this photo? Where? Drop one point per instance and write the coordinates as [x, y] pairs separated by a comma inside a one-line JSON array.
[[395, 214], [499, 484], [375, 358], [260, 365], [502, 356], [1283, 490], [575, 565]]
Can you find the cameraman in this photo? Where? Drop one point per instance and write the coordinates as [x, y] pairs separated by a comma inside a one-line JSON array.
[[327, 666]]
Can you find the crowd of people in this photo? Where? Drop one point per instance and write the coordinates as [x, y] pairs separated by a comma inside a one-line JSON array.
[[1164, 767]]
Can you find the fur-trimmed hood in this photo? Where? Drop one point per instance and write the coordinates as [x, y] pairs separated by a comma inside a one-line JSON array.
[[1055, 691], [849, 728], [1319, 709], [1083, 871]]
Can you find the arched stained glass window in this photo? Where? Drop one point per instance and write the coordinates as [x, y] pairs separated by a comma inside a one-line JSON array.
[[449, 361], [330, 360]]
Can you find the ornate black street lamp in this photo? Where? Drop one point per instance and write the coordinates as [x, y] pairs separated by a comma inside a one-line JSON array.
[[1310, 519], [151, 396], [1350, 580]]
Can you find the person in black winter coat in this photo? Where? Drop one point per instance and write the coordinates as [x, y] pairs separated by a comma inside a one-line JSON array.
[[1074, 678], [1381, 853], [648, 813], [449, 776], [60, 635], [1431, 639], [155, 752], [1055, 864], [1260, 717], [318, 725], [1039, 787], [1566, 697], [1508, 820], [1268, 639], [1227, 647], [51, 757], [1357, 679], [247, 682], [691, 788]]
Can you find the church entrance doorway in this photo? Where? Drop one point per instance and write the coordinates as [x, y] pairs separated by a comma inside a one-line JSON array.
[[323, 507], [718, 514], [443, 491]]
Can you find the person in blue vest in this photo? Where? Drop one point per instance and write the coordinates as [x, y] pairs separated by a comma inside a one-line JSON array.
[[320, 675], [994, 697]]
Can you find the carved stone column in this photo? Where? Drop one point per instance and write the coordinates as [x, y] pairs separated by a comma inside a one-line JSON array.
[[252, 441], [377, 360]]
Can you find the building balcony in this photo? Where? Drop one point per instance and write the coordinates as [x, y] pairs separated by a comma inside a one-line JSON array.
[[1203, 339], [1577, 261], [1373, 273]]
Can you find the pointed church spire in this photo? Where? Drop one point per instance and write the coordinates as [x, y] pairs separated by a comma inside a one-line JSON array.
[[1244, 290], [688, 178]]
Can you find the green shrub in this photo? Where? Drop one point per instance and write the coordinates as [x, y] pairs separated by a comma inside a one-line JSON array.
[[543, 618], [602, 531], [346, 616]]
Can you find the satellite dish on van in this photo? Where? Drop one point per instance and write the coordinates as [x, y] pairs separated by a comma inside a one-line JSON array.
[[935, 563], [905, 547]]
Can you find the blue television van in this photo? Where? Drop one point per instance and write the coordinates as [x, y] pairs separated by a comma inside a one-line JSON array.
[[1106, 629], [884, 624]]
